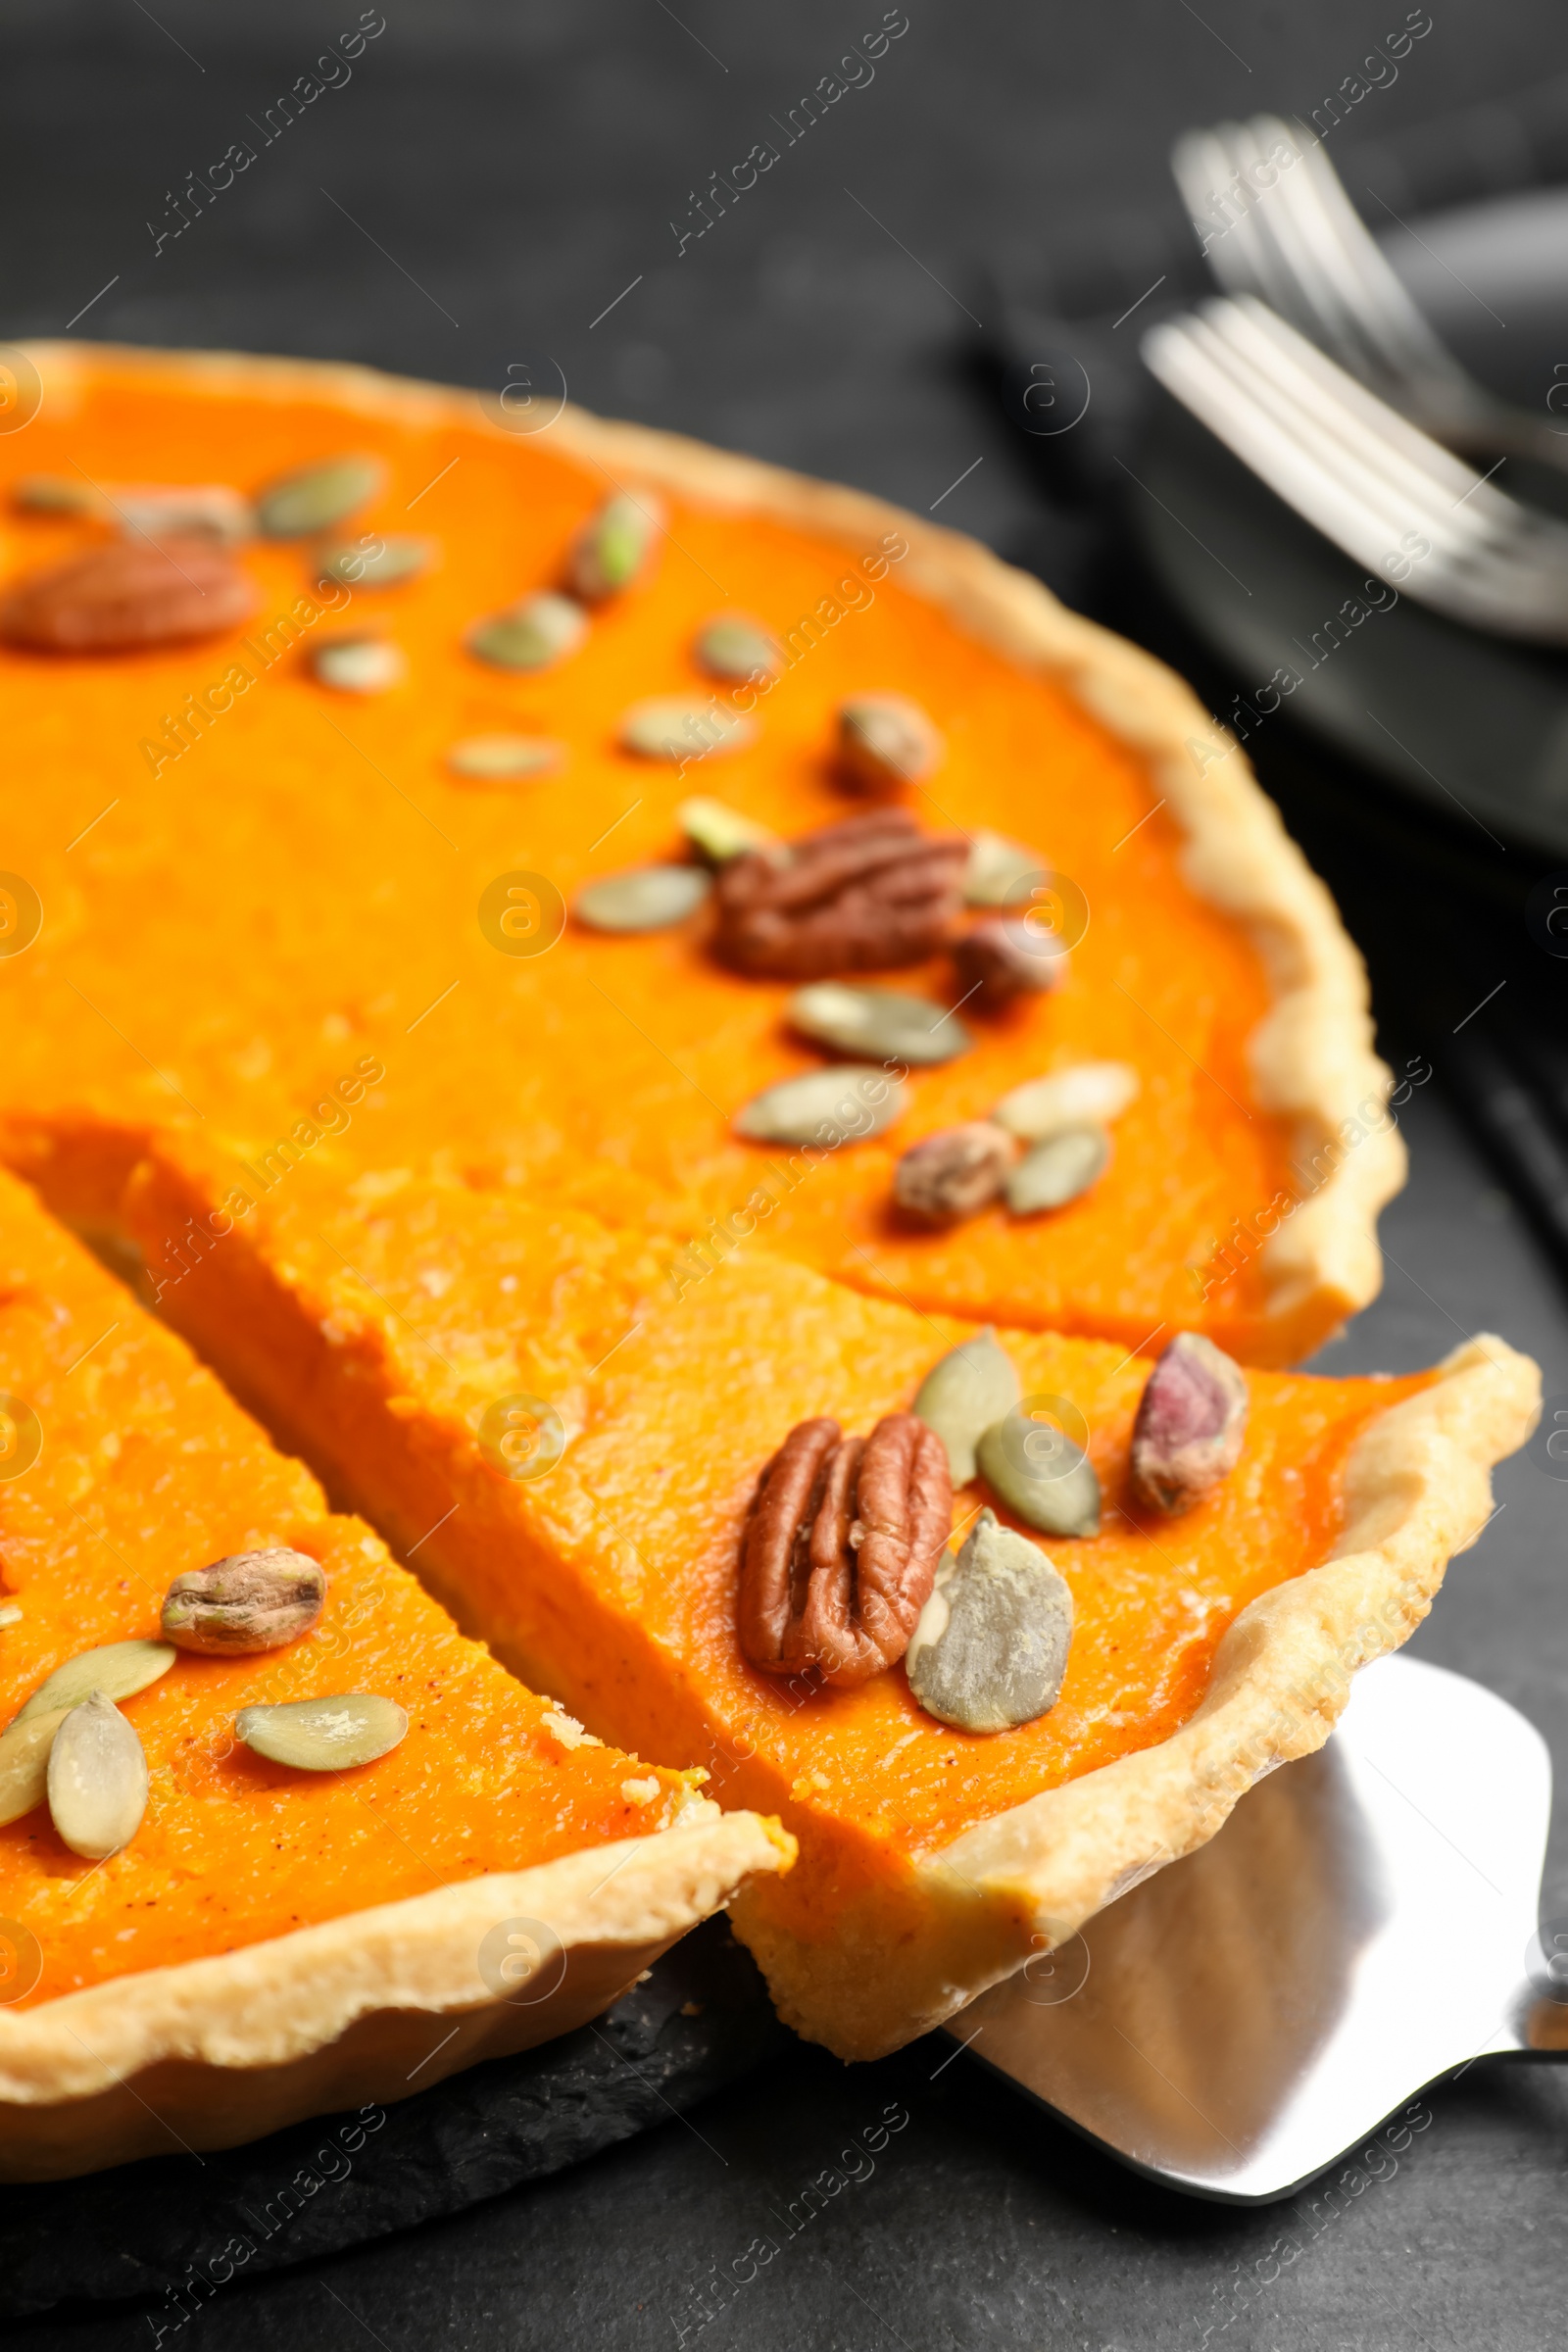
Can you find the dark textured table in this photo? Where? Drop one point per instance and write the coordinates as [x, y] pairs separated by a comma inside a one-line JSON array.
[[495, 187]]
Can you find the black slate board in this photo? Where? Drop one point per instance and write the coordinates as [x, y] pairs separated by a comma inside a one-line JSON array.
[[171, 2231]]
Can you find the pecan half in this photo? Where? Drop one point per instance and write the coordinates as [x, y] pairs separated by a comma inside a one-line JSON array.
[[130, 592], [866, 895], [841, 1548]]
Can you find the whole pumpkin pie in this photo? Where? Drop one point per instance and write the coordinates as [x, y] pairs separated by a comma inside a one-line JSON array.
[[265, 1938], [330, 833], [588, 1450]]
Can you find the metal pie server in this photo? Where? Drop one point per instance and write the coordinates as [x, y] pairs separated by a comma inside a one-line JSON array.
[[1365, 1923]]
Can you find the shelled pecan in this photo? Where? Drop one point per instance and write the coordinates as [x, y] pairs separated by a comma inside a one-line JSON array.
[[130, 592], [841, 1548], [865, 895]]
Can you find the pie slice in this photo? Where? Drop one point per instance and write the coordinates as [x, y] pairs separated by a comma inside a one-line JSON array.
[[276, 1941], [584, 1446], [264, 882]]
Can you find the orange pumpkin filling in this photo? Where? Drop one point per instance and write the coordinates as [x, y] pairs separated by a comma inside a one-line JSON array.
[[297, 874], [403, 1334], [146, 1469]]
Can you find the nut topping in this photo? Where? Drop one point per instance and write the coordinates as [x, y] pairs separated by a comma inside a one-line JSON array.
[[130, 592], [991, 1645], [954, 1173], [884, 741], [96, 1780], [841, 1548], [866, 895], [1191, 1423], [252, 1601], [1008, 955]]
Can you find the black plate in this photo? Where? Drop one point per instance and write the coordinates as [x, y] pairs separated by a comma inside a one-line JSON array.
[[1474, 727]]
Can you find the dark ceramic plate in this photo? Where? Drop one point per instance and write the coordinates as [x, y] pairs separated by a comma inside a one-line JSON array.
[[1474, 727]]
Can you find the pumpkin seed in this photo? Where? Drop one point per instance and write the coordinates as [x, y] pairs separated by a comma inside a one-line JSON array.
[[718, 831], [390, 559], [669, 728], [54, 494], [736, 648], [646, 898], [1087, 1094], [25, 1763], [97, 1780], [998, 869], [613, 546], [502, 759], [886, 740], [990, 1646], [208, 507], [250, 1601], [879, 1022], [324, 1735], [120, 1669], [1056, 1171], [10, 1614], [318, 497], [842, 1106], [360, 664], [967, 1390], [1042, 1474], [532, 634]]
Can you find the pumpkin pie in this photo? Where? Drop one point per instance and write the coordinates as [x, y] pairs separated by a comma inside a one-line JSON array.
[[270, 862], [586, 1447], [561, 961], [273, 1941]]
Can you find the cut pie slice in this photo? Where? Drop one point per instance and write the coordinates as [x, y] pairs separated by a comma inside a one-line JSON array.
[[327, 855], [575, 1449], [272, 1940]]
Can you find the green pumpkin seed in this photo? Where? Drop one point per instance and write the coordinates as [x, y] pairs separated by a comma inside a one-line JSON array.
[[505, 759], [879, 1022], [718, 831], [533, 634], [97, 1780], [318, 497], [1058, 1170], [1087, 1094], [738, 649], [963, 1394], [324, 1735], [646, 898], [25, 1763], [55, 494], [360, 666], [613, 546], [1041, 1475], [842, 1106], [120, 1669], [667, 728], [990, 1646], [384, 562], [997, 869]]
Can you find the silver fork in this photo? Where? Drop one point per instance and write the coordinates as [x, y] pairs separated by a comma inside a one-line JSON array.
[[1364, 476], [1284, 228]]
